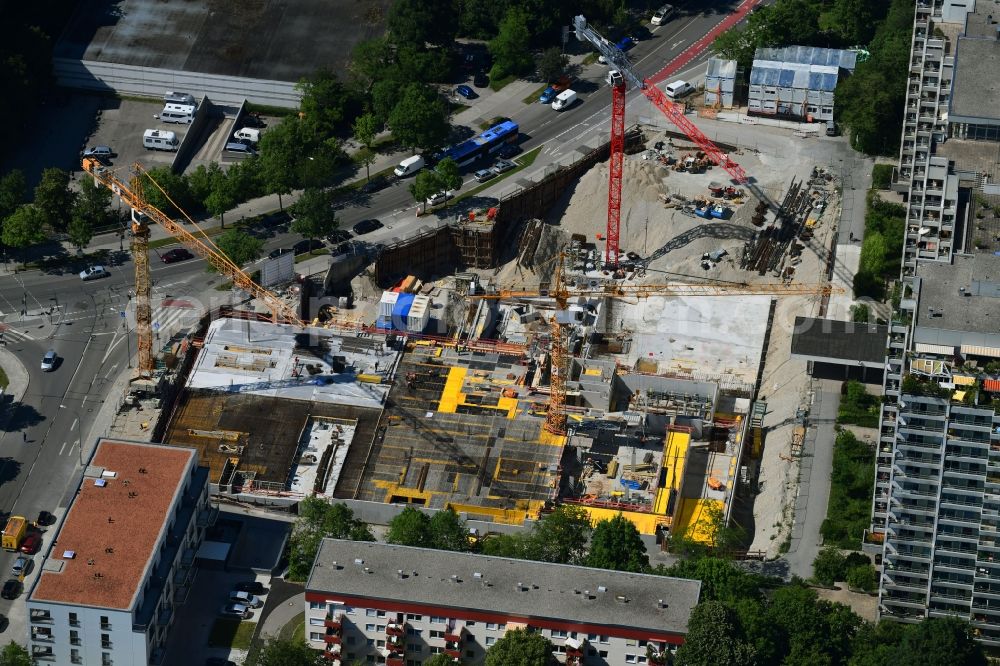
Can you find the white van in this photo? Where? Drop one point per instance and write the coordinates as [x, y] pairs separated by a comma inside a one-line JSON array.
[[564, 100], [247, 134], [178, 113], [678, 89], [171, 97], [159, 140], [409, 166]]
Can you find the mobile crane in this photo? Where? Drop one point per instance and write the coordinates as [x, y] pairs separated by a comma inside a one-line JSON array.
[[142, 212]]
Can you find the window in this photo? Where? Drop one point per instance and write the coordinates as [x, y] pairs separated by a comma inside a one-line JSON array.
[[437, 620], [591, 652], [410, 631], [105, 659], [415, 618], [604, 639], [380, 628], [630, 659], [74, 620], [643, 643], [370, 659], [369, 627], [558, 633], [630, 642], [490, 640], [370, 642], [437, 650], [370, 612], [436, 634], [316, 605], [106, 641], [315, 636], [470, 623], [491, 626], [105, 622], [316, 622], [74, 656], [591, 637], [380, 613], [379, 643], [74, 637], [603, 654]]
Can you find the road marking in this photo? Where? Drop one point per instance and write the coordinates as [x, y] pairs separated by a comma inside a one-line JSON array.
[[61, 448], [111, 370], [72, 427]]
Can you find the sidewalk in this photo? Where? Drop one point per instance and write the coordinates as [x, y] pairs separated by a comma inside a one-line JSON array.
[[17, 376], [282, 615]]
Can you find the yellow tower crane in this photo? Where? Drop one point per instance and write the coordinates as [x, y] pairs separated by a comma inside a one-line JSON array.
[[131, 193]]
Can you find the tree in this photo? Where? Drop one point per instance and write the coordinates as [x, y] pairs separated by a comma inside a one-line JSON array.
[[221, 198], [447, 169], [860, 313], [828, 567], [80, 230], [560, 536], [239, 246], [448, 531], [863, 577], [511, 47], [439, 659], [281, 151], [616, 544], [940, 641], [25, 227], [90, 211], [721, 580], [714, 638], [877, 644], [802, 626], [366, 126], [372, 61], [851, 20], [281, 652], [410, 527], [13, 192], [175, 188], [419, 119], [424, 185], [552, 63], [873, 251], [520, 647], [314, 216], [325, 102], [319, 169], [15, 655], [54, 198], [318, 519], [505, 545], [420, 22]]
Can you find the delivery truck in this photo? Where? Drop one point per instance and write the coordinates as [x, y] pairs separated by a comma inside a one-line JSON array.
[[13, 532]]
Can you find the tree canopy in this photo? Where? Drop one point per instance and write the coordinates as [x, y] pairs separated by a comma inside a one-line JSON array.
[[25, 227], [282, 652], [314, 216], [15, 655], [317, 520], [445, 530], [54, 199], [616, 544], [419, 119], [519, 647], [239, 246]]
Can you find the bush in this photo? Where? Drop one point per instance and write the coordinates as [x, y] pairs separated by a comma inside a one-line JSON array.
[[851, 482], [863, 577], [882, 176], [857, 406], [828, 567]]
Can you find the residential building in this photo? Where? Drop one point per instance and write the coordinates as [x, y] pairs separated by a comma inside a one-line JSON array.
[[123, 558], [397, 605], [797, 81]]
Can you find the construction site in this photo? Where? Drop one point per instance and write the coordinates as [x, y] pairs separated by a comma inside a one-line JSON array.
[[576, 343]]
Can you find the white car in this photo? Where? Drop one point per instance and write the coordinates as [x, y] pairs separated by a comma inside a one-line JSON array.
[[93, 273], [245, 599], [439, 197], [663, 15]]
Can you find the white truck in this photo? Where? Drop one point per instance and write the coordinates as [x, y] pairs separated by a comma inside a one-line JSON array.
[[564, 100], [409, 166]]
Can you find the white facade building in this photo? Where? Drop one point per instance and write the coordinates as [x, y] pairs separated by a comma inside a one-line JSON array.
[[122, 559]]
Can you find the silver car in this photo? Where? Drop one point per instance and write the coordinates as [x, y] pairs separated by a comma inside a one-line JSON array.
[[94, 273], [49, 361], [22, 566]]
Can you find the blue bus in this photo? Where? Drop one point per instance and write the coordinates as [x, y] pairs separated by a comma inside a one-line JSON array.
[[485, 144]]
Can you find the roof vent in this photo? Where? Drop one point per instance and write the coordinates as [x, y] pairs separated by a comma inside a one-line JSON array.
[[100, 483], [69, 554], [601, 588], [575, 591], [660, 603], [359, 561], [109, 550], [368, 570], [476, 574], [142, 470], [621, 598], [455, 579], [521, 587]]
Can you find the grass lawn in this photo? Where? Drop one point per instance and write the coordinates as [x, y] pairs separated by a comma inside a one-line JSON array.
[[3, 379], [295, 629], [231, 633], [533, 97], [858, 407], [498, 84]]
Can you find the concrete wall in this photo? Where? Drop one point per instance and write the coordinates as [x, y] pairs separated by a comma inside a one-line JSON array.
[[192, 137], [153, 82]]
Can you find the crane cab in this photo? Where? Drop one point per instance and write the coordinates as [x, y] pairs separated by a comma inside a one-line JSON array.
[[615, 78]]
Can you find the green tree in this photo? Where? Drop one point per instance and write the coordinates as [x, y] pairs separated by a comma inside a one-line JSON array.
[[873, 251], [239, 246], [938, 641], [318, 519], [721, 580], [314, 216], [15, 655], [853, 21], [715, 638], [281, 150], [447, 169], [13, 192], [419, 119], [552, 63], [281, 652], [560, 536], [80, 230], [426, 183], [54, 198], [439, 659], [616, 544], [221, 198], [877, 644], [325, 102], [519, 647], [480, 18], [863, 577], [175, 189], [420, 22], [410, 527], [366, 126], [25, 227], [806, 628], [505, 545], [448, 531], [319, 169], [371, 61], [860, 313], [511, 47], [828, 567]]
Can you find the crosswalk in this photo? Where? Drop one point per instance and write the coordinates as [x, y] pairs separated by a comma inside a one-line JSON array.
[[10, 334]]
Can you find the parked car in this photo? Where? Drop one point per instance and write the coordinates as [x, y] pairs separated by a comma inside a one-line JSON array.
[[246, 599], [484, 175], [503, 166], [177, 254], [307, 245], [276, 220], [49, 361], [11, 589], [99, 151], [376, 184], [508, 150], [251, 586], [45, 519], [548, 95], [32, 542], [663, 15], [439, 197], [21, 566], [481, 80], [236, 610], [274, 254], [625, 43], [339, 236], [366, 227], [466, 92], [94, 273]]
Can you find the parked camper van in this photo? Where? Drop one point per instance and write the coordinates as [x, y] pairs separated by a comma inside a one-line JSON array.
[[247, 134], [409, 166], [179, 98], [159, 140], [178, 113]]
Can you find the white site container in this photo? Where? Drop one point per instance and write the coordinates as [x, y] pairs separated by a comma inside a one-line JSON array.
[[420, 314], [386, 304]]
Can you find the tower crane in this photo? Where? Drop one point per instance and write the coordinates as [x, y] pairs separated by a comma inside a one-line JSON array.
[[555, 416], [142, 212], [621, 74]]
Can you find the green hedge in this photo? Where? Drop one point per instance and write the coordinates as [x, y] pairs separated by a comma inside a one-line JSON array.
[[857, 406], [851, 485]]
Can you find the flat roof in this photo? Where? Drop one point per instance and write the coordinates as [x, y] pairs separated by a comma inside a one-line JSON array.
[[942, 304], [114, 529], [835, 341], [483, 583], [975, 90], [268, 39]]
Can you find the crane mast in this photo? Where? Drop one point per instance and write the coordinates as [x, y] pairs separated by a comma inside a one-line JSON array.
[[142, 212]]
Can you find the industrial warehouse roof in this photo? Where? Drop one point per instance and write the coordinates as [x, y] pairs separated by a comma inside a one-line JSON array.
[[830, 341], [502, 586]]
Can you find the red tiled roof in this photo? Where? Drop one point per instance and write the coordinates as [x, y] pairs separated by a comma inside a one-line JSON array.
[[114, 530]]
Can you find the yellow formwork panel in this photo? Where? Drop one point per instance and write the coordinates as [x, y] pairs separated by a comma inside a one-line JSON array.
[[526, 509], [644, 522], [549, 439], [452, 395], [593, 372], [508, 405], [662, 500], [394, 490], [675, 451], [693, 518]]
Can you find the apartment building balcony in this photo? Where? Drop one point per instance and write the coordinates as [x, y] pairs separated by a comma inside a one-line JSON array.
[[454, 640], [903, 584], [334, 635], [333, 621], [987, 591]]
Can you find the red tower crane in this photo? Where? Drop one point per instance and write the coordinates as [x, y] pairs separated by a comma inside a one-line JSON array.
[[619, 75]]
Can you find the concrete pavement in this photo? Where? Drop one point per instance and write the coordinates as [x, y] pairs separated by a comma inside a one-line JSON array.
[[282, 615]]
